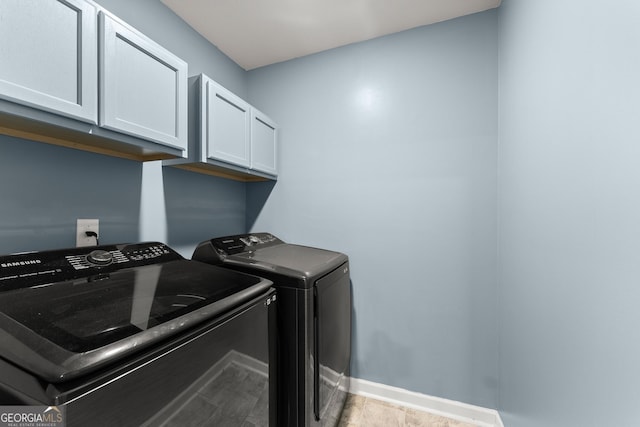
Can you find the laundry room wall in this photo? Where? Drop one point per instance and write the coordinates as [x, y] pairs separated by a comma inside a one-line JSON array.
[[46, 188], [569, 213], [389, 155]]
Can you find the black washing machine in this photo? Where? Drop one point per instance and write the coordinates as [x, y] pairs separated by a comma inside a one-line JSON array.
[[132, 335], [314, 320]]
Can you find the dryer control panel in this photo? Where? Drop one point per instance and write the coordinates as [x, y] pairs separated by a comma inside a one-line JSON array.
[[244, 242], [216, 250]]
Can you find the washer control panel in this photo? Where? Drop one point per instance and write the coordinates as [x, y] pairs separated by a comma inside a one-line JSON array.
[[36, 268], [132, 254]]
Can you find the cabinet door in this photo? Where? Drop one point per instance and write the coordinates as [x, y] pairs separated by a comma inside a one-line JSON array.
[[48, 56], [228, 130], [143, 87], [264, 141]]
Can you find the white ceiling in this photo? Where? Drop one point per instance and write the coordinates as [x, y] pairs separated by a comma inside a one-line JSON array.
[[255, 33]]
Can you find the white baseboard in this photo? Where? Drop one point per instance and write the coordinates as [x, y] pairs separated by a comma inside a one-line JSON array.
[[436, 405]]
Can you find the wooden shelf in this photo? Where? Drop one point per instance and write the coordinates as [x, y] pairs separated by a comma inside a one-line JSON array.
[[82, 136]]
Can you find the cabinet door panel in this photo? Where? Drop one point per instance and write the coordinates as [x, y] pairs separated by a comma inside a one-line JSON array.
[[143, 87], [228, 130], [48, 52], [264, 139]]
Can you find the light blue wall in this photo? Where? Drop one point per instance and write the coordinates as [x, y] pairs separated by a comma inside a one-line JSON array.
[[46, 188], [569, 213], [200, 207], [389, 155]]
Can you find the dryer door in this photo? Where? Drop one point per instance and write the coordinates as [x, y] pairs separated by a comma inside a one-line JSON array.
[[332, 349]]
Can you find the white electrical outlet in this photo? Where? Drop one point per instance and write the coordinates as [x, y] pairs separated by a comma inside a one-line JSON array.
[[84, 225]]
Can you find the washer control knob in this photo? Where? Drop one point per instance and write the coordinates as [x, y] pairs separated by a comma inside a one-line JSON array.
[[100, 257]]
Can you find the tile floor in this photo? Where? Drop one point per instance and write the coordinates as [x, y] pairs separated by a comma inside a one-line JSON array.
[[362, 411], [239, 397], [236, 397]]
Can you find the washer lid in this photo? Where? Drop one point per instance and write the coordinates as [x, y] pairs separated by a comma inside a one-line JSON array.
[[93, 316], [290, 260]]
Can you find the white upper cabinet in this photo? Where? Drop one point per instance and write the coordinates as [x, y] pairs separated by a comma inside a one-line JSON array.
[[228, 137], [48, 56], [73, 74], [227, 120], [143, 87], [264, 137]]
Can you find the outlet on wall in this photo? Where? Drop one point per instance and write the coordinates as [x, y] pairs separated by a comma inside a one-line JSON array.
[[84, 225]]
